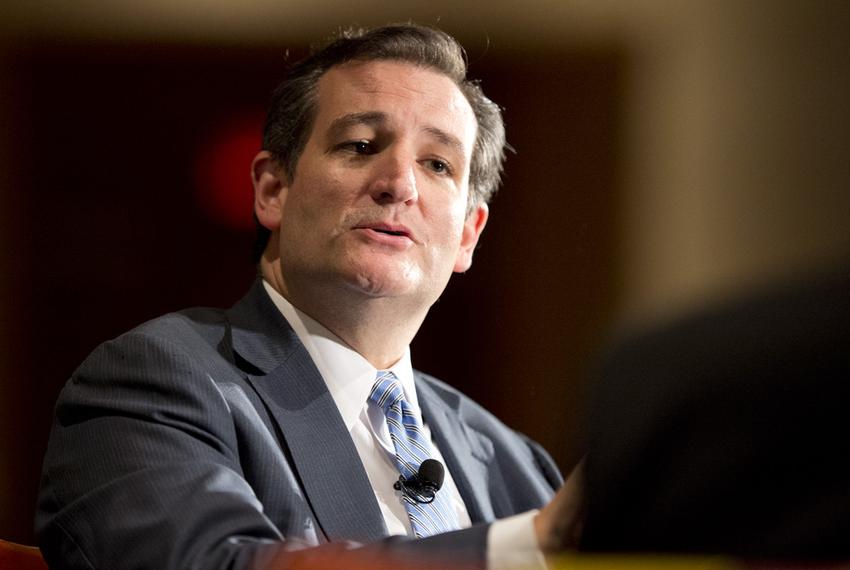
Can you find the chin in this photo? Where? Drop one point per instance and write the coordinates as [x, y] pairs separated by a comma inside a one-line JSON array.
[[387, 279], [381, 286]]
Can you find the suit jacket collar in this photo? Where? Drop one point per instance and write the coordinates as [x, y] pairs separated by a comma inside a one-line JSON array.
[[259, 333], [283, 374]]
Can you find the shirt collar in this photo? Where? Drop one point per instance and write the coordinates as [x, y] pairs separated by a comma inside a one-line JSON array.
[[348, 376]]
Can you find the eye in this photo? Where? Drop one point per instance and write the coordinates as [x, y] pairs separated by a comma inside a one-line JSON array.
[[359, 147], [438, 166]]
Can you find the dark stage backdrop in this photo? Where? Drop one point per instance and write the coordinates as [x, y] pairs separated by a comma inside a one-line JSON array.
[[124, 209]]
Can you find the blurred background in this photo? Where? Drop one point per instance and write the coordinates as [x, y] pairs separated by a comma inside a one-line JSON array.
[[668, 154]]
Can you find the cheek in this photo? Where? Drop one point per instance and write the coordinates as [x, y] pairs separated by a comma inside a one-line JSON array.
[[316, 199], [445, 245], [329, 184], [454, 223]]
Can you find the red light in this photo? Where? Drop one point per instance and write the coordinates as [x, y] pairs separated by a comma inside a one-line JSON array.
[[223, 171]]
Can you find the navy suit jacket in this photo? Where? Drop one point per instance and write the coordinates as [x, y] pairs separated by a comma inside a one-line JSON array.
[[204, 438]]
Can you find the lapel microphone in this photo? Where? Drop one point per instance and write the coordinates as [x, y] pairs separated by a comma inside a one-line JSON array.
[[422, 487]]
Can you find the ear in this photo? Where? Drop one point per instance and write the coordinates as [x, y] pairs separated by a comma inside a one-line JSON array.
[[472, 228], [269, 190]]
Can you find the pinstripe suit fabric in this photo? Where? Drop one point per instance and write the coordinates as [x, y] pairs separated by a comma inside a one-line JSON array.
[[207, 439]]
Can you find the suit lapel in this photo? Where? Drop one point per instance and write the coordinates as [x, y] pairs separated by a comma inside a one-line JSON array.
[[468, 453], [327, 463]]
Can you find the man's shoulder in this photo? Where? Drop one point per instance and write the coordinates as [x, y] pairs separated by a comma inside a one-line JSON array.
[[444, 391], [199, 325], [510, 445], [451, 398], [195, 334], [200, 321], [190, 327]]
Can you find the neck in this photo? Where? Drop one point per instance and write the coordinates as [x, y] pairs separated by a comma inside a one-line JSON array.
[[378, 328]]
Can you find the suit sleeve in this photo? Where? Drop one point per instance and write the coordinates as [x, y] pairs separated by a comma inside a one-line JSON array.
[[547, 466], [142, 468]]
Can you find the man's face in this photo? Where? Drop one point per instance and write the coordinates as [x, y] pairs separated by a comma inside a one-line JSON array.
[[378, 201]]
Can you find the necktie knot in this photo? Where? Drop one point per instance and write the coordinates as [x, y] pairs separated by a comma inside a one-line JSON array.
[[387, 391]]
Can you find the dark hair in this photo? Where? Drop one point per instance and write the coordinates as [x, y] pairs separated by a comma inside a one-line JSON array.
[[293, 107]]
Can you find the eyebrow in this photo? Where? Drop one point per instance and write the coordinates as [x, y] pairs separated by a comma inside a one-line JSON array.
[[376, 118], [341, 124], [446, 139]]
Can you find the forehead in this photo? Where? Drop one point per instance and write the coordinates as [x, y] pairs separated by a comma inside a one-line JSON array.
[[410, 95]]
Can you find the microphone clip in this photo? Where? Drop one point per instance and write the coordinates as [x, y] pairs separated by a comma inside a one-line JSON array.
[[414, 490], [422, 487]]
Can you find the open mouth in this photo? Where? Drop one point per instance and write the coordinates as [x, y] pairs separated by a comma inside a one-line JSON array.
[[389, 232], [393, 230]]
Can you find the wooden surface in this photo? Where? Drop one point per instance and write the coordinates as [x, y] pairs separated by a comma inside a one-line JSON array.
[[19, 557]]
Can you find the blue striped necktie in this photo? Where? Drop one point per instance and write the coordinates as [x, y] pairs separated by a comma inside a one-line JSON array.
[[411, 449]]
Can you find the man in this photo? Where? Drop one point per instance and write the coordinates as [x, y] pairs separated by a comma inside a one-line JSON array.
[[217, 439]]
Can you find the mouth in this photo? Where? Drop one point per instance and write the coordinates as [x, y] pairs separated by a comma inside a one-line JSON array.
[[390, 232], [393, 230]]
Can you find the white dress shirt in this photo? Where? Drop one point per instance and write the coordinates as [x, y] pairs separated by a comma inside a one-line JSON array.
[[349, 378]]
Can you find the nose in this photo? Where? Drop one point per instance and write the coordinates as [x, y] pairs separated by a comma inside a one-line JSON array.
[[394, 178]]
